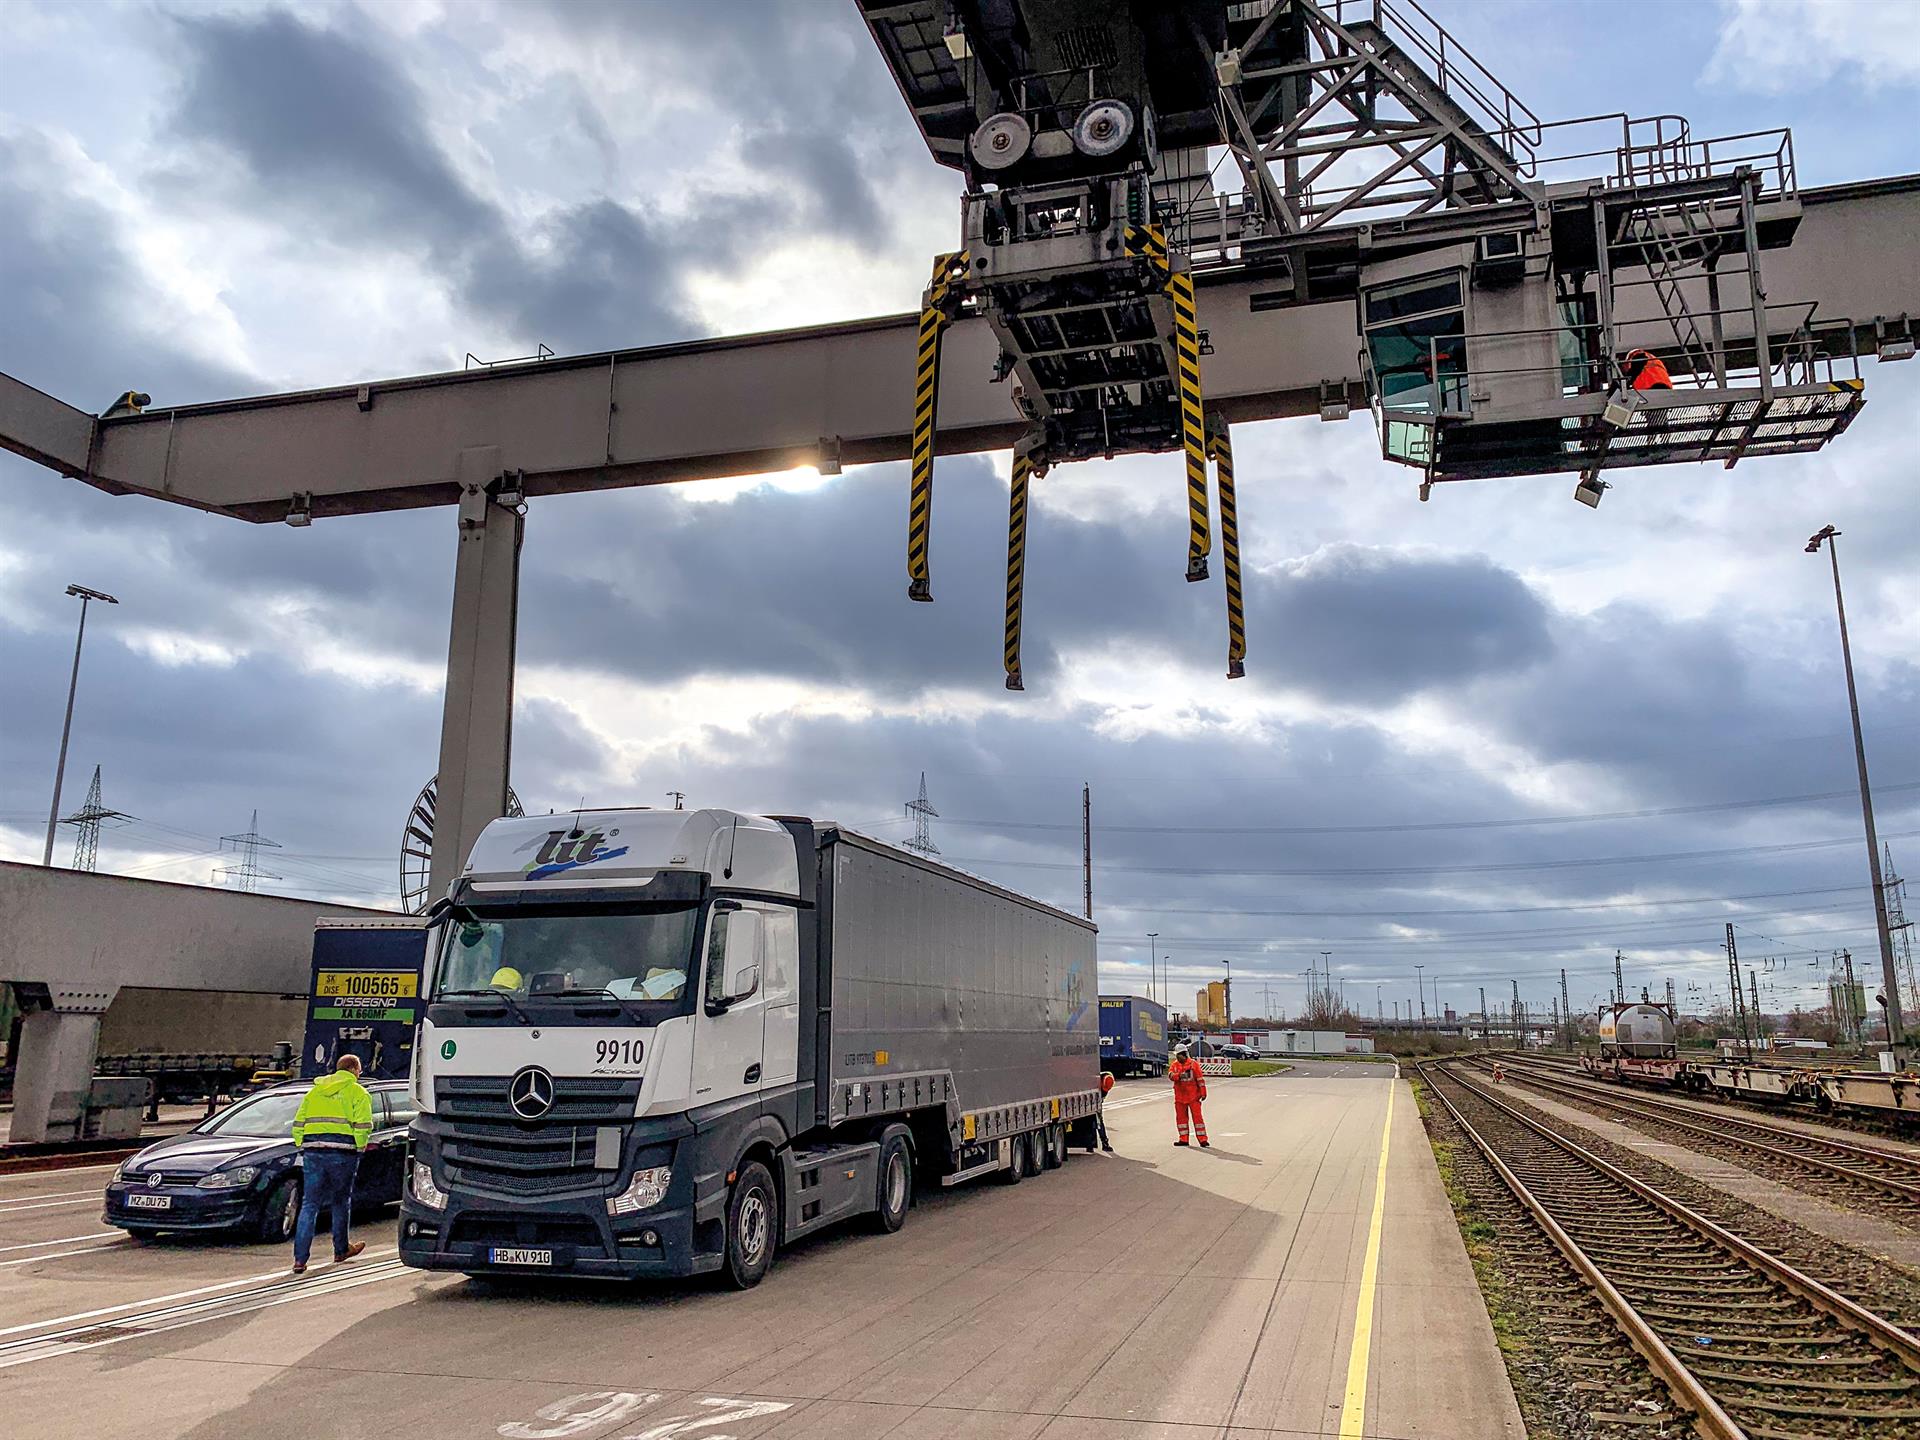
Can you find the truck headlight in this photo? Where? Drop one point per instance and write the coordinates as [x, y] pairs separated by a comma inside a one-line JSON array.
[[228, 1179], [647, 1189], [423, 1188]]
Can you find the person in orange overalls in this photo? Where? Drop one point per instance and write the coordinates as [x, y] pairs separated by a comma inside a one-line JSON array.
[[1189, 1089], [1100, 1115], [1647, 371]]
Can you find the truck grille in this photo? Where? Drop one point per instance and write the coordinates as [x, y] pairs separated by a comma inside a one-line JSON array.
[[486, 1144]]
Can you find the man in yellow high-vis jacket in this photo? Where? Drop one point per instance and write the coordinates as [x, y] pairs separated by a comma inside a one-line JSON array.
[[332, 1127]]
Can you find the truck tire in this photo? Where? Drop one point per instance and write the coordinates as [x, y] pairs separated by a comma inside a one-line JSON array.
[[753, 1226], [1036, 1151], [278, 1214], [1016, 1170], [1054, 1150], [893, 1185]]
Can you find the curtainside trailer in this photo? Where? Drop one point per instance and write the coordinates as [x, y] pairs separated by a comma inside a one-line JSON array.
[[666, 1042], [1133, 1035]]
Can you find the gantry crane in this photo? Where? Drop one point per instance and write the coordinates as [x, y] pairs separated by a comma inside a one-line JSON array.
[[1511, 276], [1394, 229]]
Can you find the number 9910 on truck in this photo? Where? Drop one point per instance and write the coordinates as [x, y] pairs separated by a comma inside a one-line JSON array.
[[661, 1043]]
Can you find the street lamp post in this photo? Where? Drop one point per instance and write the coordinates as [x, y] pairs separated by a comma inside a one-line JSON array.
[[1153, 937], [66, 729], [1896, 1027], [1421, 982], [1226, 994]]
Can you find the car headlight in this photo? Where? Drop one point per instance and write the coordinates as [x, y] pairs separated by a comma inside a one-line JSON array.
[[423, 1188], [647, 1189], [228, 1179]]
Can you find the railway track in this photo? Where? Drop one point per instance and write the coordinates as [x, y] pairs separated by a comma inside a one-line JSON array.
[[1884, 1174], [1748, 1346]]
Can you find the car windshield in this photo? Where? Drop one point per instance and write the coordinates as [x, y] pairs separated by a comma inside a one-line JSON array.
[[643, 957], [268, 1116]]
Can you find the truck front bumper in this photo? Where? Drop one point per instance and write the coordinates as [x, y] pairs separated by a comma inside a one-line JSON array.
[[556, 1237]]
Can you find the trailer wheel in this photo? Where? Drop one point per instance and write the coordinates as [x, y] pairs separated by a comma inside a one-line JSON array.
[[753, 1226], [1016, 1170], [895, 1184], [1053, 1147]]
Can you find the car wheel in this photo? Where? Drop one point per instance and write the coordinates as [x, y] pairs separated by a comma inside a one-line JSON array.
[[281, 1211], [895, 1185], [753, 1227]]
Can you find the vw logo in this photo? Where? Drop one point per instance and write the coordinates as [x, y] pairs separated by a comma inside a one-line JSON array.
[[530, 1093], [154, 1179]]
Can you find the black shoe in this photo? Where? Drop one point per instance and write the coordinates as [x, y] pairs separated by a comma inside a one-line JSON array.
[[1178, 1143], [1205, 1146], [1107, 1148], [299, 1267]]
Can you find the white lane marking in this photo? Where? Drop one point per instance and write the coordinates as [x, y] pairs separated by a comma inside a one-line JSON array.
[[63, 1240], [48, 1347], [19, 1201], [577, 1414], [280, 1274], [61, 1170], [58, 1255], [93, 1198]]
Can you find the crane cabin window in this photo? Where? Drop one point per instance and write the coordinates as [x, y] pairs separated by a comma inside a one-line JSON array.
[[1416, 337]]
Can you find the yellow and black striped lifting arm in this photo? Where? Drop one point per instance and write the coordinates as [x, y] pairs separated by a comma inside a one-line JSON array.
[[937, 312], [1220, 443], [1023, 470], [1186, 345]]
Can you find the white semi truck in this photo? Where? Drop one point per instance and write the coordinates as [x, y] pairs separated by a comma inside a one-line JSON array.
[[671, 1042]]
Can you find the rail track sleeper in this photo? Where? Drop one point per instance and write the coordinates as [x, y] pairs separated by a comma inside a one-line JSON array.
[[1856, 1316], [1712, 1420]]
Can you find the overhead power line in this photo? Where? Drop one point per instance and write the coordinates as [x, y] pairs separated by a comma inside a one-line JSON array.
[[1500, 868]]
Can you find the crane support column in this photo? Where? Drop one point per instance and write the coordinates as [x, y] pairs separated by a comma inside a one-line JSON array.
[[476, 725], [1220, 444], [936, 313]]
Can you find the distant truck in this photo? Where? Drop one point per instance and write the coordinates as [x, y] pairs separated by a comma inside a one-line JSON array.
[[667, 1042], [1133, 1035], [365, 995]]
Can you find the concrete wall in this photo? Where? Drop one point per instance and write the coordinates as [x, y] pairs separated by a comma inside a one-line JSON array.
[[71, 942], [75, 931], [147, 1021]]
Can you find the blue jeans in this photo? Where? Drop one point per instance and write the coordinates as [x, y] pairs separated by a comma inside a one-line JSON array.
[[328, 1186]]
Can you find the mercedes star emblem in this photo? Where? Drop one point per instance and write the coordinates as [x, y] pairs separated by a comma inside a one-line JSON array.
[[530, 1093]]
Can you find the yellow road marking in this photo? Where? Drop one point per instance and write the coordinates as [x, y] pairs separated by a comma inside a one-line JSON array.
[[1353, 1415]]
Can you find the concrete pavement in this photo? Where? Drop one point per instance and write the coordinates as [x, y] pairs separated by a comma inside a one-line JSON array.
[[1155, 1293]]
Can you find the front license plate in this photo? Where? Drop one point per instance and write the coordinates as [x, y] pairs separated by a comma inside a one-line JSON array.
[[150, 1202], [521, 1257]]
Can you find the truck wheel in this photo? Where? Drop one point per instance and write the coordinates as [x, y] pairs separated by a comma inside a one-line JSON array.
[[753, 1226], [895, 1185], [1016, 1162], [278, 1215], [1036, 1152], [1054, 1153]]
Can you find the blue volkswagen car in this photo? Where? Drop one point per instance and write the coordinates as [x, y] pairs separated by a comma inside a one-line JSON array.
[[238, 1170]]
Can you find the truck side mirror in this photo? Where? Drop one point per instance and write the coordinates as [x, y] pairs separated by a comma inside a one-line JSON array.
[[743, 956]]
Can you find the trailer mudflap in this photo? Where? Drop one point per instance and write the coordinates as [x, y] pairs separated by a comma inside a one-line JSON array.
[[827, 1185]]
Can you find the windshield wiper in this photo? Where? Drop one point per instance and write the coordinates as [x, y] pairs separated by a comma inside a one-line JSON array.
[[505, 999], [596, 993]]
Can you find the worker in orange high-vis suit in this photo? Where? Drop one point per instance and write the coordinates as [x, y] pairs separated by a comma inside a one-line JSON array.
[[1647, 371], [1189, 1089]]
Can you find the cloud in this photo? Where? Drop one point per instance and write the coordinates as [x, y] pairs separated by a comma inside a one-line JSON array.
[[1775, 46]]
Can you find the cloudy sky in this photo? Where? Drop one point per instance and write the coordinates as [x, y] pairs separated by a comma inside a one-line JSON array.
[[1491, 736]]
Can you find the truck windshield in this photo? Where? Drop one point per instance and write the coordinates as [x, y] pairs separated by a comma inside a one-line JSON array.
[[642, 958]]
